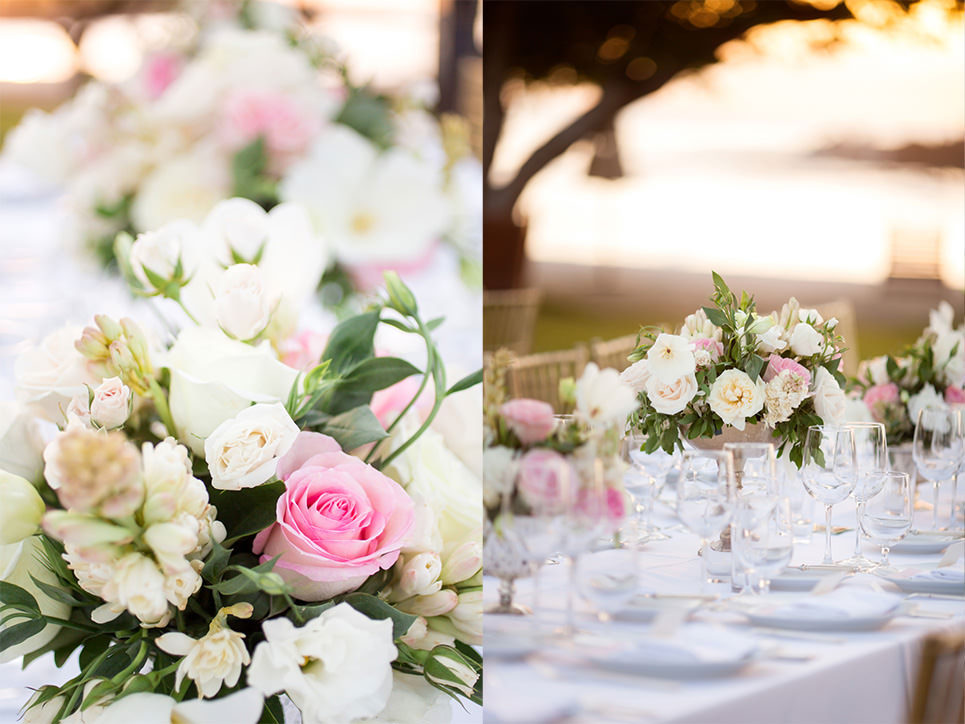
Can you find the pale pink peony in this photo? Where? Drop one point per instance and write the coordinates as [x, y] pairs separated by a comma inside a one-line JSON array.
[[303, 350], [881, 394], [707, 351], [286, 127], [543, 478], [954, 395], [777, 364], [338, 522], [531, 420], [159, 71]]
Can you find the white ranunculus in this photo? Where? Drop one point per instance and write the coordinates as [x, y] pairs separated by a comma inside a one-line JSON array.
[[734, 397], [671, 357], [241, 707], [21, 442], [336, 668], [50, 374], [183, 187], [637, 374], [214, 377], [951, 366], [18, 562], [499, 473], [413, 701], [111, 404], [602, 399], [373, 208], [241, 303], [927, 398], [243, 451], [162, 250], [806, 340], [770, 341], [671, 398], [829, 398], [21, 508]]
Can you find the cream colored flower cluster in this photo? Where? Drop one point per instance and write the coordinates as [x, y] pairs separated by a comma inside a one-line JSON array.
[[136, 525]]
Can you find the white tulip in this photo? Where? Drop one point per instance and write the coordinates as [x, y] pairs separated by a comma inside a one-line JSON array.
[[21, 510]]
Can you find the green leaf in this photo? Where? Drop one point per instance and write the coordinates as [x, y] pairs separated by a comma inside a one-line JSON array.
[[20, 632], [754, 366], [377, 373], [434, 324], [16, 597], [378, 609], [99, 690], [58, 594], [466, 382], [369, 115], [248, 511], [251, 580], [217, 562], [137, 684], [716, 316], [306, 613], [93, 648], [354, 428], [65, 638], [273, 713], [351, 342]]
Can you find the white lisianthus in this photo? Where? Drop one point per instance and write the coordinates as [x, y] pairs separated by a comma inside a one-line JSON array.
[[636, 375], [499, 473], [671, 357], [927, 398], [770, 341], [214, 377], [241, 303], [669, 399], [243, 451], [21, 510], [241, 707], [805, 340], [829, 398], [111, 404], [161, 252], [414, 701], [602, 399], [337, 667], [49, 375], [734, 397], [20, 563]]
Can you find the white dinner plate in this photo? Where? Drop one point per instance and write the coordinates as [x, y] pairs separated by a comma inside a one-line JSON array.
[[923, 543], [796, 579], [906, 581], [854, 623], [643, 609]]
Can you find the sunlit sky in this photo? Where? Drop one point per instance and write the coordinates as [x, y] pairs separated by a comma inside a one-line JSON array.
[[717, 166]]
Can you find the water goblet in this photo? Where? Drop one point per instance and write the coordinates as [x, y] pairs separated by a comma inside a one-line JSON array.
[[871, 451], [755, 465], [763, 537], [886, 517], [608, 579], [937, 448], [706, 492], [644, 479], [829, 471]]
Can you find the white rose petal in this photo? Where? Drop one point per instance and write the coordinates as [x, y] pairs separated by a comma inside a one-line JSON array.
[[806, 340], [111, 404], [829, 399], [21, 442], [637, 374], [50, 374], [241, 304], [669, 399], [734, 397], [243, 451]]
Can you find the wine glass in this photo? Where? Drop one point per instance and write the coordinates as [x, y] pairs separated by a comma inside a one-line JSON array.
[[609, 579], [871, 450], [755, 465], [706, 492], [886, 517], [829, 471], [644, 478], [763, 537], [937, 447]]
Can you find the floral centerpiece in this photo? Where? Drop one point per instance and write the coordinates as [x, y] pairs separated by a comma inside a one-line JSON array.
[[269, 115], [732, 368], [931, 372], [212, 528]]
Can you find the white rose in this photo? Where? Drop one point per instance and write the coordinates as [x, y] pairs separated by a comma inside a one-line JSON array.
[[637, 374], [829, 398], [21, 442], [236, 231], [243, 451], [50, 374], [336, 668], [927, 398], [414, 701], [241, 707], [499, 473], [214, 377], [951, 366], [21, 510], [734, 397], [671, 357], [669, 399], [111, 404], [770, 341], [602, 399], [241, 304], [464, 440], [18, 562], [160, 252], [806, 340]]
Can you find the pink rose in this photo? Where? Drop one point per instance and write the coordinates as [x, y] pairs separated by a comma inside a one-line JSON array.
[[304, 350], [543, 477], [531, 420], [286, 127], [609, 505], [711, 349], [954, 395], [159, 71], [338, 522], [777, 364], [881, 394]]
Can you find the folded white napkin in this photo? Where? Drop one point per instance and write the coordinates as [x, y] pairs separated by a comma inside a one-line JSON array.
[[949, 574], [841, 604], [692, 643]]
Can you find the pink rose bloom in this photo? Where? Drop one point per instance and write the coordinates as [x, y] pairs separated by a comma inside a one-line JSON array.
[[287, 127], [881, 394], [531, 420], [713, 348], [609, 506], [954, 395], [777, 364], [159, 71], [304, 350], [338, 522], [543, 477]]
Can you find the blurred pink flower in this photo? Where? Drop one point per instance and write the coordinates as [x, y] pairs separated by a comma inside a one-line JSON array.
[[286, 127], [370, 276], [777, 364], [531, 420], [954, 395], [882, 394], [159, 71], [714, 348], [303, 350], [543, 477]]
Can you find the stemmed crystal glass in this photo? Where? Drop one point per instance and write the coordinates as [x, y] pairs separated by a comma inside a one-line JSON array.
[[609, 579], [829, 471], [644, 478], [886, 517], [937, 447], [763, 537], [871, 449], [706, 493], [755, 465]]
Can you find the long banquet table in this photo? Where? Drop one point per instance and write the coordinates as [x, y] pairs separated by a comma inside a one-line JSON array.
[[852, 678]]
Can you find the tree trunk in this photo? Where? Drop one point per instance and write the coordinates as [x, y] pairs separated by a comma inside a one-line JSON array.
[[503, 250]]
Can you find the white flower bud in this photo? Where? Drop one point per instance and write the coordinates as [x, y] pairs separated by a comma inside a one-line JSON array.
[[159, 253], [111, 404], [462, 562], [435, 604], [241, 303], [420, 575], [21, 511]]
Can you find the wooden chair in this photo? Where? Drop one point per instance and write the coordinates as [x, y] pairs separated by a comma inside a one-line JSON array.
[[538, 376], [613, 352], [509, 316], [939, 696], [847, 328]]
